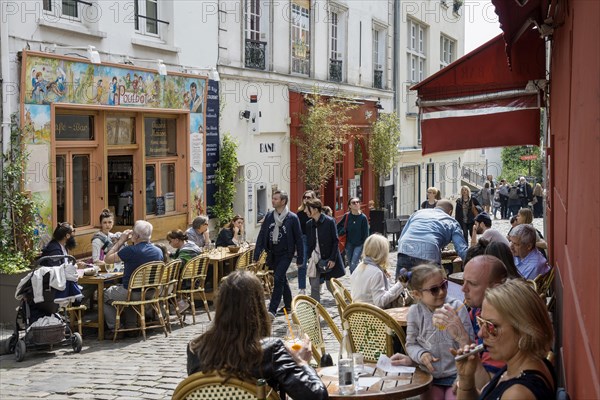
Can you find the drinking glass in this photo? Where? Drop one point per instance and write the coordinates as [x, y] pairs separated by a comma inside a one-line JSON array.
[[359, 367], [109, 267], [294, 337]]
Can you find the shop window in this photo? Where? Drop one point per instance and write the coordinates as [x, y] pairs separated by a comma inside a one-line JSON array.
[[120, 130], [73, 201], [160, 136], [74, 127]]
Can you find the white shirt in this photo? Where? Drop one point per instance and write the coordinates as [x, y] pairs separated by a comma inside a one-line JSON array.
[[492, 235], [368, 284]]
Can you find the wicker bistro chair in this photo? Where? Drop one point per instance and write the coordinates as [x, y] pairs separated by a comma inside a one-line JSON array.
[[213, 386], [244, 260], [191, 283], [264, 273], [372, 330], [145, 280], [307, 313], [342, 296], [168, 288]]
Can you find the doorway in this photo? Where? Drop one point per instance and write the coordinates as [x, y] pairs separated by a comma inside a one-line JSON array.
[[120, 188]]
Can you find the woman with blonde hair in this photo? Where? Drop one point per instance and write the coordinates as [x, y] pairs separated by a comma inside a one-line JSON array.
[[369, 282], [538, 201], [515, 328], [464, 214], [433, 195]]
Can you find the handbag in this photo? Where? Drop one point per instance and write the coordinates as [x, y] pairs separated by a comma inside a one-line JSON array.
[[343, 237], [474, 210], [322, 266]]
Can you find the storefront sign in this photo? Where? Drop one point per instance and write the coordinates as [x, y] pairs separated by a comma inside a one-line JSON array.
[[212, 141], [267, 147], [74, 127]]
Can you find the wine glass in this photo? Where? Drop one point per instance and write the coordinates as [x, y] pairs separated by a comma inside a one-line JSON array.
[[359, 367]]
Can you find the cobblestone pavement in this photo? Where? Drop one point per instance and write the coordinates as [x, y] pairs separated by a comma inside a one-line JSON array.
[[130, 368]]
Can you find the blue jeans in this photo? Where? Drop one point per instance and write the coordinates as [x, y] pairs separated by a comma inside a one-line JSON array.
[[302, 268], [353, 253], [281, 284]]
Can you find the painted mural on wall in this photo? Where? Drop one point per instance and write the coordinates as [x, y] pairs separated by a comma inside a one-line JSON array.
[[53, 80]]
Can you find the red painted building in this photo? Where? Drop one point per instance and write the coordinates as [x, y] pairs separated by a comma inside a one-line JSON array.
[[353, 174], [565, 78]]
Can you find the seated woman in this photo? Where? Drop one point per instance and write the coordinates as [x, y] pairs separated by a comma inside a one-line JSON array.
[[242, 326], [103, 240], [184, 248], [515, 328], [369, 281], [232, 233], [502, 251]]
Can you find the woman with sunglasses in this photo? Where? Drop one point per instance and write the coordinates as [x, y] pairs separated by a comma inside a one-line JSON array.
[[427, 344], [515, 328], [303, 217]]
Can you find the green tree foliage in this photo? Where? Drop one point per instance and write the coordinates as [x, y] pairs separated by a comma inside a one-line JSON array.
[[16, 208], [513, 167], [383, 143], [325, 129], [226, 179]]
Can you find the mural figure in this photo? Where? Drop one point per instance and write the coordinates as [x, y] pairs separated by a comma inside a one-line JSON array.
[[58, 86], [112, 91], [196, 100], [39, 87]]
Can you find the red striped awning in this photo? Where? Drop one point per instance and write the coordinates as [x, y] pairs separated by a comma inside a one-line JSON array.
[[479, 101]]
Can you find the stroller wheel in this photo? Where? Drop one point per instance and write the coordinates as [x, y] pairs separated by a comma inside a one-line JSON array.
[[77, 342], [20, 350], [9, 345]]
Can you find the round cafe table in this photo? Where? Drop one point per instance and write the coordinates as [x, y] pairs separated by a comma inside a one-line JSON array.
[[389, 386]]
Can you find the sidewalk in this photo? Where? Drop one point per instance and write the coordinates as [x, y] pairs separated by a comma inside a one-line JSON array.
[[132, 368]]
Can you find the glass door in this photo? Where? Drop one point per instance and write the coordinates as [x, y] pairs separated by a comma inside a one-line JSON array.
[[73, 190], [120, 188]]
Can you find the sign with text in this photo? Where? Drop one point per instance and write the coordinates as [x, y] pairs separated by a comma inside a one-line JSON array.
[[212, 141], [74, 127], [529, 157]]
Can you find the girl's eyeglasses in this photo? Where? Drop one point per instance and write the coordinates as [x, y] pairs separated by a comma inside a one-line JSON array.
[[489, 326], [435, 290]]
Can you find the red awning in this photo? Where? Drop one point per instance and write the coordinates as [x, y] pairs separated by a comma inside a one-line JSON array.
[[478, 101]]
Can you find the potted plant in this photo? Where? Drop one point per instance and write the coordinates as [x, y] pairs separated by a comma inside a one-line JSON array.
[[17, 224], [225, 179]]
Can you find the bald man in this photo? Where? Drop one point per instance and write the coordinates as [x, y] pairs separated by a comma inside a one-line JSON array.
[[481, 273], [426, 234]]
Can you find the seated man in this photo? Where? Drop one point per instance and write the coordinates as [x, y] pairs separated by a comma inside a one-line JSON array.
[[483, 226], [198, 232], [140, 253], [528, 259]]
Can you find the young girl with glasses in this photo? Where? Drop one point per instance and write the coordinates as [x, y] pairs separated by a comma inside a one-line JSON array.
[[428, 344]]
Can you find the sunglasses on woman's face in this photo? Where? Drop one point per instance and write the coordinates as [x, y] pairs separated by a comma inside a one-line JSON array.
[[489, 326], [307, 197], [435, 290]]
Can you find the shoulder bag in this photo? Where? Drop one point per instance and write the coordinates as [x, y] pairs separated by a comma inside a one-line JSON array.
[[474, 209], [343, 237]]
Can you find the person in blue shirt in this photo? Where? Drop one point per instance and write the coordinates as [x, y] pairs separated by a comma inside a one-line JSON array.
[[141, 252], [529, 260], [426, 234]]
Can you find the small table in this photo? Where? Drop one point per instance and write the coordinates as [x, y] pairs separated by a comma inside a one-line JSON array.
[[399, 314], [391, 385], [457, 277], [100, 280], [216, 261]]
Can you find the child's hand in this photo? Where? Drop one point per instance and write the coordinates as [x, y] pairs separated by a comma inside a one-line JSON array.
[[400, 359], [427, 359]]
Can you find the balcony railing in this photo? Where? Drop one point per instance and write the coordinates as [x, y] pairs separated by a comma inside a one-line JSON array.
[[335, 70], [255, 54], [378, 79]]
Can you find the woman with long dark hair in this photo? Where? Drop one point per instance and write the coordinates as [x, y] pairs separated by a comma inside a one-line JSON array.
[[238, 343]]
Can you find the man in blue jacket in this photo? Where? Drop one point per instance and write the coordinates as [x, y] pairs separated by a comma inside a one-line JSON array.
[[280, 235]]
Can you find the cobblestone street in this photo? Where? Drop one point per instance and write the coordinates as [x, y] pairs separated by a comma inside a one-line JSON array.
[[130, 368]]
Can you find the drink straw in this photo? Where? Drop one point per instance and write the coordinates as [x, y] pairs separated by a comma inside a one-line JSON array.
[[464, 303], [288, 321]]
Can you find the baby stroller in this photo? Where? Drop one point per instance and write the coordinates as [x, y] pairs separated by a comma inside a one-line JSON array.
[[41, 292]]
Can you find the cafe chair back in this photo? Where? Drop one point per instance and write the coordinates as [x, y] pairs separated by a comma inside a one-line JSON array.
[[244, 260], [214, 386], [191, 283], [168, 290], [263, 273], [342, 296], [144, 290], [307, 313], [372, 331]]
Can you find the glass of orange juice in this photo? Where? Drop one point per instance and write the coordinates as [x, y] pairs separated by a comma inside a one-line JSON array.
[[294, 337]]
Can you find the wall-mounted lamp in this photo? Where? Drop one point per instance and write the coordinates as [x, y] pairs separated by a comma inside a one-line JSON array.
[[245, 114], [378, 104], [93, 55], [162, 68]]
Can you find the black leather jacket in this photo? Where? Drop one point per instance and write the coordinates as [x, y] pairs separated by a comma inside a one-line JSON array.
[[280, 370]]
